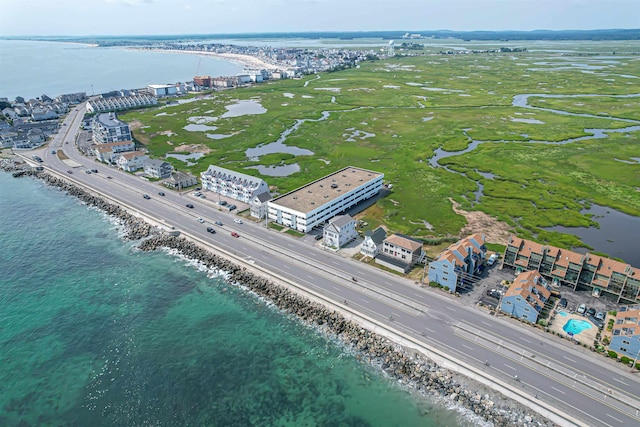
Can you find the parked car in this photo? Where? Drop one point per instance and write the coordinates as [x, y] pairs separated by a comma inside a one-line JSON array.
[[222, 202], [237, 221], [234, 234], [600, 316], [146, 196], [161, 193], [211, 230], [582, 308], [563, 302], [189, 205], [318, 237], [218, 223], [591, 312], [492, 259], [231, 207]]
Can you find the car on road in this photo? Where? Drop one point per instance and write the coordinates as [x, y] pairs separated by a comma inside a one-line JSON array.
[[582, 308], [161, 193], [201, 220], [88, 171], [189, 205], [146, 196], [563, 302], [69, 171], [591, 312], [53, 151], [218, 223], [234, 234], [94, 170], [237, 221], [600, 316], [211, 230], [318, 237]]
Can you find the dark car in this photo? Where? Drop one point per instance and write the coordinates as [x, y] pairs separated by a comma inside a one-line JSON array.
[[53, 151], [211, 230], [189, 205], [198, 188], [94, 170], [318, 237], [234, 234], [109, 177], [161, 193], [69, 171], [231, 207], [563, 302], [218, 223], [222, 202], [591, 312], [146, 196]]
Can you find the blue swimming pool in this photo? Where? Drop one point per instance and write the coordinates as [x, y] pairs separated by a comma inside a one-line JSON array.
[[575, 326], [562, 313]]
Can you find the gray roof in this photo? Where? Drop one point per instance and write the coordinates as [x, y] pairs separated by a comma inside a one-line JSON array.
[[263, 197], [156, 162], [341, 220], [377, 236]]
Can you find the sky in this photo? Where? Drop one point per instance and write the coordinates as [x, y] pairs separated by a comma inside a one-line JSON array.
[[168, 17]]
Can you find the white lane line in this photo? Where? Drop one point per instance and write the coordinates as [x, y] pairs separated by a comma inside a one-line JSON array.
[[569, 359], [285, 266], [335, 287], [431, 330], [510, 367], [466, 346], [611, 416], [334, 263], [525, 340], [450, 308], [366, 301], [621, 382], [559, 391], [486, 323], [310, 277]]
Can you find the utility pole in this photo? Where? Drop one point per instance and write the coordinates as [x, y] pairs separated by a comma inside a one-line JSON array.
[[633, 367]]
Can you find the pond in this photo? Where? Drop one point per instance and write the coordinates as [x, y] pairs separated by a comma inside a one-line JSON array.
[[613, 237], [244, 108], [282, 170], [187, 157]]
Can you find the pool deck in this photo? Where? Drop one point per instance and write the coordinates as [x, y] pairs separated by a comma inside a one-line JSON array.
[[587, 336]]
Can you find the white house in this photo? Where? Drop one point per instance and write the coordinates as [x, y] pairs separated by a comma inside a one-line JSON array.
[[372, 242], [131, 161], [258, 205], [340, 231], [107, 152], [158, 168]]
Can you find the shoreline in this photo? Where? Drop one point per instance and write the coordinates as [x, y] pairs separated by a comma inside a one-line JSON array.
[[247, 61], [472, 400]]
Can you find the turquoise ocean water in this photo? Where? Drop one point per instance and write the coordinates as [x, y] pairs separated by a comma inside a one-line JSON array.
[[94, 332]]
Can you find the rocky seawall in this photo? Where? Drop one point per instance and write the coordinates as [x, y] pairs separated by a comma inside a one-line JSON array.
[[406, 365]]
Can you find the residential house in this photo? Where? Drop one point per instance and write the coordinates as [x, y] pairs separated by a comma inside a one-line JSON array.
[[180, 180], [24, 139], [106, 153], [158, 168], [340, 231], [233, 184], [458, 262], [130, 161], [526, 296], [372, 242], [611, 279], [259, 205], [625, 338], [400, 253]]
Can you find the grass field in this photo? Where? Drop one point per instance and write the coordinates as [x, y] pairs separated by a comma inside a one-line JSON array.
[[391, 115]]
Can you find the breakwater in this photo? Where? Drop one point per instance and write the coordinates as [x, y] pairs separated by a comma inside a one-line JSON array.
[[405, 365]]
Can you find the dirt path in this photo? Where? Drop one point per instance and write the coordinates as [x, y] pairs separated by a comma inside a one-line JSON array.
[[479, 222]]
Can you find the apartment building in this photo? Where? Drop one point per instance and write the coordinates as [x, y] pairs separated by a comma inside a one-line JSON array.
[[459, 261], [106, 127], [625, 336], [526, 296], [611, 279], [233, 184]]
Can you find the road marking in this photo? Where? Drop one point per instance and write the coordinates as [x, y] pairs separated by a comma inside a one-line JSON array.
[[285, 266], [510, 367], [621, 382], [525, 340], [310, 277], [431, 330], [450, 308], [488, 324], [569, 359], [611, 416], [466, 346], [559, 391], [336, 288]]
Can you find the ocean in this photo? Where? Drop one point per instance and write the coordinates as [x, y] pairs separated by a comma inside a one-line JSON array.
[[31, 68], [97, 333]]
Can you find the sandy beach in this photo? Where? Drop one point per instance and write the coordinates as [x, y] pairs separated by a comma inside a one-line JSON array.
[[247, 61]]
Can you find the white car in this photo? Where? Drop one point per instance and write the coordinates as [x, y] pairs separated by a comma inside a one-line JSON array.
[[237, 221], [201, 220], [582, 308]]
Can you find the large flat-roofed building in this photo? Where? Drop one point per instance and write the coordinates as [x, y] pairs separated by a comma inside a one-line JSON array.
[[315, 203], [107, 128]]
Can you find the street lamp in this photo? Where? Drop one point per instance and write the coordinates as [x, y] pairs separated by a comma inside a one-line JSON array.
[[633, 367]]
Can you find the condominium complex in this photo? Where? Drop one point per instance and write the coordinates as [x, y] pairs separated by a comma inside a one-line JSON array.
[[233, 184], [614, 280], [317, 202], [458, 261], [106, 127]]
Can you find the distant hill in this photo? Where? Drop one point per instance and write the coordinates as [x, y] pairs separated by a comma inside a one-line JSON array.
[[606, 34]]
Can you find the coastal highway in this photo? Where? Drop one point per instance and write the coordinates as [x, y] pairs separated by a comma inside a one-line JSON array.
[[519, 358]]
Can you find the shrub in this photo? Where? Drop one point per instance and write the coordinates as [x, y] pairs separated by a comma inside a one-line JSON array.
[[542, 322], [626, 360], [612, 354]]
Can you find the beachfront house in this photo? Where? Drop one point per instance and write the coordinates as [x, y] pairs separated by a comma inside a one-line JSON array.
[[259, 205], [180, 180], [372, 242], [107, 153], [130, 161], [460, 261], [400, 253], [157, 168], [625, 335], [526, 296], [340, 231]]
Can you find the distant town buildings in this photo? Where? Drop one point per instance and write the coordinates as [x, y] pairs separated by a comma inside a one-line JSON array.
[[116, 103], [611, 279], [317, 202]]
